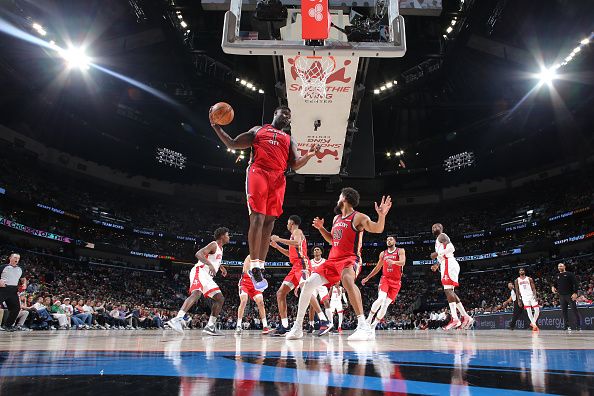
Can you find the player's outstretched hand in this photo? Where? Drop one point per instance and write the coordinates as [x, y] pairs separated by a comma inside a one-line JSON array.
[[433, 255], [384, 207], [314, 149], [364, 281], [274, 238], [212, 123], [318, 223], [223, 271]]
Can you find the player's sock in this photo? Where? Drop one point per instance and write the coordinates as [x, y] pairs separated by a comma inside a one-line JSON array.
[[322, 316], [181, 313], [239, 322], [530, 315], [261, 264], [453, 311], [212, 320], [361, 321], [264, 323], [329, 315], [311, 323], [285, 322], [340, 320], [254, 264], [461, 309], [536, 313]]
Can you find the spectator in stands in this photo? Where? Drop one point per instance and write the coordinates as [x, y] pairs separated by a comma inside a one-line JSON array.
[[59, 314]]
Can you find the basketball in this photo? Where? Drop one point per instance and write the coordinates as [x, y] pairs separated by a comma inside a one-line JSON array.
[[222, 113]]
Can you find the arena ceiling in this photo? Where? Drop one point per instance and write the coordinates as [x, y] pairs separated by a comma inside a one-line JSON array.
[[481, 97]]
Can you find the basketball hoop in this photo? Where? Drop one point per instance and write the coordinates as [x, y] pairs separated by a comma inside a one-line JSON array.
[[313, 71]]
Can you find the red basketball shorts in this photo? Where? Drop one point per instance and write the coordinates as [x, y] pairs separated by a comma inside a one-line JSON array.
[[333, 267], [247, 286], [390, 287], [265, 191], [294, 277]]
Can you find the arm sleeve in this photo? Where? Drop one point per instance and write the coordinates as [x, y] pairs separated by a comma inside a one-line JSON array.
[[444, 250]]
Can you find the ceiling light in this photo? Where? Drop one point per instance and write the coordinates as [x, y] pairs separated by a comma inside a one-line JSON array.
[[453, 22], [376, 91], [249, 85], [253, 88], [576, 50], [383, 88], [395, 82], [236, 79], [388, 154], [389, 85], [243, 82], [585, 41], [449, 29], [76, 57], [547, 75], [183, 24], [445, 37], [261, 91], [179, 16]]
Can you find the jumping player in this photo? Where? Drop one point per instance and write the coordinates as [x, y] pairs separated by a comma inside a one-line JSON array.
[[345, 258], [297, 254], [272, 151], [527, 297], [449, 269], [391, 262], [338, 296], [247, 290], [201, 282], [321, 292]]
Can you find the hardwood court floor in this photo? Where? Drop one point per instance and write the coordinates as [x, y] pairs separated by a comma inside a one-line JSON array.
[[403, 362]]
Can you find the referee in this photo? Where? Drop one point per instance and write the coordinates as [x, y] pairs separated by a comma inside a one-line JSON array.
[[567, 286], [517, 309], [10, 274]]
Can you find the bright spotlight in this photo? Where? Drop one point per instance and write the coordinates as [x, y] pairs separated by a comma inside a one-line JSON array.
[[383, 88], [547, 75], [389, 85], [183, 24], [76, 58], [576, 50], [585, 41], [249, 85], [388, 154], [376, 91], [260, 91], [453, 22], [449, 29], [243, 82]]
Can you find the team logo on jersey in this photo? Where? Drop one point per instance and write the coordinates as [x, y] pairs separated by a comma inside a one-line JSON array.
[[337, 235]]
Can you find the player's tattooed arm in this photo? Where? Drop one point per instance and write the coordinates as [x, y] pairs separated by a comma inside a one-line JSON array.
[[242, 141], [376, 227], [297, 161]]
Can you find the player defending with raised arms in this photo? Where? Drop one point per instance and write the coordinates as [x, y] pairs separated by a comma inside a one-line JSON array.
[[391, 262], [344, 261], [272, 151]]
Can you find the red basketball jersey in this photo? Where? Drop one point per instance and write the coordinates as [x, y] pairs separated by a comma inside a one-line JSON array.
[[391, 271], [296, 253], [270, 149], [346, 240]]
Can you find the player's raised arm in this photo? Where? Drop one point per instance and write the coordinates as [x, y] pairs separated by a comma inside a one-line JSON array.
[[319, 225], [375, 270], [242, 141], [295, 160], [376, 227]]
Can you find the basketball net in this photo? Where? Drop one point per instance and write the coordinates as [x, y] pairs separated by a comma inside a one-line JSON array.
[[313, 71]]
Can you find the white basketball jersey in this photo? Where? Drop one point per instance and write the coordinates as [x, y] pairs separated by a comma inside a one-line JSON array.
[[336, 294], [315, 263], [440, 250], [215, 259], [525, 288]]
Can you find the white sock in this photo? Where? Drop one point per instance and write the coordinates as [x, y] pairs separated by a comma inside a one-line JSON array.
[[264, 323], [212, 320], [285, 322], [536, 313], [461, 309], [453, 311], [530, 315], [239, 322], [329, 315], [340, 320], [181, 313], [311, 284], [311, 323], [261, 264], [361, 322], [254, 264], [322, 316]]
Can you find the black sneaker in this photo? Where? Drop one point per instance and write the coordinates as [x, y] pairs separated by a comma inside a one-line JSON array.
[[257, 274], [280, 331], [10, 328], [310, 329], [325, 327]]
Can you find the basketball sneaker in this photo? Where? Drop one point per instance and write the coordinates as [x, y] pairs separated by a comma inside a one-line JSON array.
[[454, 324], [295, 333], [467, 322], [238, 330], [280, 330], [340, 330], [212, 330], [266, 331], [309, 329], [176, 324], [362, 333], [534, 327], [325, 327]]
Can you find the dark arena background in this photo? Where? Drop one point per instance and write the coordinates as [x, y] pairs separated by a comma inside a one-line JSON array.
[[474, 114]]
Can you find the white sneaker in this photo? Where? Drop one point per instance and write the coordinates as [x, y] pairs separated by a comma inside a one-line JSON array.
[[362, 333], [238, 330], [176, 325], [296, 332]]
